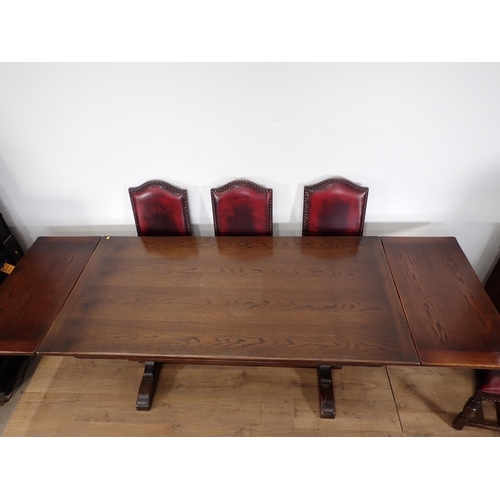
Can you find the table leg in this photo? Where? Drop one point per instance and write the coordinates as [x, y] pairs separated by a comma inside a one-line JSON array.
[[148, 385], [325, 384]]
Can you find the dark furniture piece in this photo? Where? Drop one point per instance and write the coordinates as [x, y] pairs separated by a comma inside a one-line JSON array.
[[10, 251], [492, 285], [307, 302], [12, 372], [242, 208], [486, 382], [334, 207], [10, 255], [160, 209], [12, 368]]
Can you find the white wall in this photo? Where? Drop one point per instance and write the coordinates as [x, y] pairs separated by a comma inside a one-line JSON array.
[[425, 138]]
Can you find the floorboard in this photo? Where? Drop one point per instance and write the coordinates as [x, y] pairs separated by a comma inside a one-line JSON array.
[[76, 397]]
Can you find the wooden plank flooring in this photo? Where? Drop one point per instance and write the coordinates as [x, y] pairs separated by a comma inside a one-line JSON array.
[[76, 397]]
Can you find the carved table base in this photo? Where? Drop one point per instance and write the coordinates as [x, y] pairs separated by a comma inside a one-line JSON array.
[[325, 384], [148, 385]]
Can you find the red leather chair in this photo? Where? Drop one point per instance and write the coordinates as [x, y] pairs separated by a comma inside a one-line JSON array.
[[334, 207], [487, 388], [487, 382], [242, 208], [160, 209]]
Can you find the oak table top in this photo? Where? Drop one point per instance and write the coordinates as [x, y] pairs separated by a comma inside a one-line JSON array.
[[320, 302], [452, 319], [288, 301], [34, 292]]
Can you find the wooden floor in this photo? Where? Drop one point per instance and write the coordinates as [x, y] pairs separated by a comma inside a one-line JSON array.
[[75, 397]]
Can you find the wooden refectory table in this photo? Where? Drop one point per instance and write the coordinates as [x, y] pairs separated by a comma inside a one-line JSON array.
[[319, 302]]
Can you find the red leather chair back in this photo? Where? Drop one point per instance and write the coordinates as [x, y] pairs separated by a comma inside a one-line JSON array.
[[160, 209], [242, 208], [334, 207]]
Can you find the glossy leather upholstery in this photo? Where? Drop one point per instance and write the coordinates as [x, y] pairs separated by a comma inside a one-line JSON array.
[[160, 209], [334, 207], [242, 208]]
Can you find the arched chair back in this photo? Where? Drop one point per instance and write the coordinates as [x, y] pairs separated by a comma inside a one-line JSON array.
[[334, 207], [242, 208], [160, 209]]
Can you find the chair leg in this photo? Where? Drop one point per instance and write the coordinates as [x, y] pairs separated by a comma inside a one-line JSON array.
[[468, 412], [148, 385], [497, 408], [325, 384]]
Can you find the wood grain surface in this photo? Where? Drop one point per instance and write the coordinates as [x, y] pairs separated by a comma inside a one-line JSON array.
[[33, 294], [451, 317], [288, 301]]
